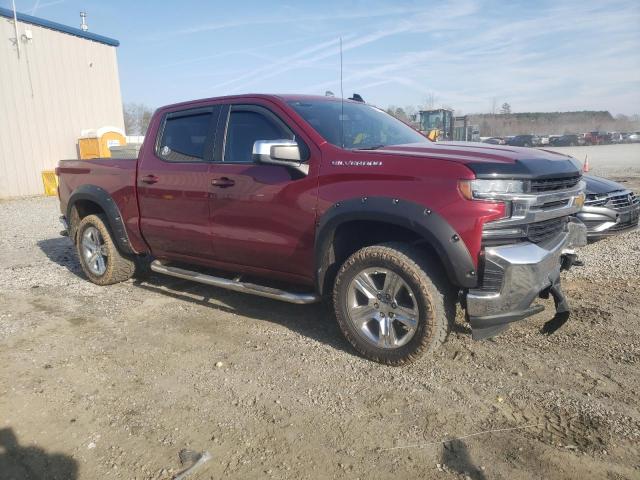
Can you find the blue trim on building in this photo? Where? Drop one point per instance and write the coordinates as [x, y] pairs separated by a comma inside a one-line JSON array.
[[41, 22]]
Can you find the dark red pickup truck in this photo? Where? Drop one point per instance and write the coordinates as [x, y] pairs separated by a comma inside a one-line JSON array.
[[298, 198]]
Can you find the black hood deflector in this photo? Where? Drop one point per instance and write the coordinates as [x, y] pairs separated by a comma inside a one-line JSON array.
[[538, 168]]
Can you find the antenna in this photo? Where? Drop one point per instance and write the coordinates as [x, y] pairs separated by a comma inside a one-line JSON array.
[[341, 100], [15, 27]]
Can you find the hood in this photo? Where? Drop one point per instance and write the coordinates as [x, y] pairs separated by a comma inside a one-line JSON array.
[[599, 185], [494, 161]]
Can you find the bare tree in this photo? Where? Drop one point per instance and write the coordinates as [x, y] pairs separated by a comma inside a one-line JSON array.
[[401, 114], [130, 120], [430, 101], [505, 109], [411, 111], [136, 118], [494, 105]]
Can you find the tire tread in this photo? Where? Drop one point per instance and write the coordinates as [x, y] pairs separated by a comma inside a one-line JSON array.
[[120, 267], [426, 272]]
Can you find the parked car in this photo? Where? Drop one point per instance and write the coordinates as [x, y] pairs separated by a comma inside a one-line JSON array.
[[495, 141], [633, 137], [544, 139], [565, 141], [524, 141], [596, 138], [333, 199], [610, 208], [590, 138], [616, 137]]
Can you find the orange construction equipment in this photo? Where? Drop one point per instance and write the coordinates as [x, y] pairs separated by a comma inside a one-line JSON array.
[[585, 168]]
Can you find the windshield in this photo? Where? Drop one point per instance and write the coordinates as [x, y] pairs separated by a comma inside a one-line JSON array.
[[363, 126]]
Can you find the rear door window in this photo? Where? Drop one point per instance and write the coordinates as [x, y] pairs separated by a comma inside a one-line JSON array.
[[187, 136]]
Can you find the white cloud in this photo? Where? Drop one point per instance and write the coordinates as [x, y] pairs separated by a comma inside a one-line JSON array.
[[572, 54]]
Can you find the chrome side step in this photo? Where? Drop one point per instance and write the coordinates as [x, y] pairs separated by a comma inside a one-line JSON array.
[[235, 285]]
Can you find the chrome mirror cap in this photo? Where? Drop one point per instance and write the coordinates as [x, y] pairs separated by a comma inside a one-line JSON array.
[[279, 152]]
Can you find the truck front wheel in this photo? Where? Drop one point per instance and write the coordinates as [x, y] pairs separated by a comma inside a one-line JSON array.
[[101, 261], [392, 303]]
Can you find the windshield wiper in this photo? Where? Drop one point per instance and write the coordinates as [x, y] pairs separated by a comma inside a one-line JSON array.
[[371, 147]]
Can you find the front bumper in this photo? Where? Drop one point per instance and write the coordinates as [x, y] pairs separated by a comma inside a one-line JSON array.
[[527, 270], [604, 221]]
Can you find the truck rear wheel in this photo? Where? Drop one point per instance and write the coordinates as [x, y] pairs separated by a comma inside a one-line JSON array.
[[392, 303], [99, 257]]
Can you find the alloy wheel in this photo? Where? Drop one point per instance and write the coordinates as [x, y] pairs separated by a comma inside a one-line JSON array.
[[94, 251], [382, 308]]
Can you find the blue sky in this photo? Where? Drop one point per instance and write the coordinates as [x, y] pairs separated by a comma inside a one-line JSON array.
[[468, 54]]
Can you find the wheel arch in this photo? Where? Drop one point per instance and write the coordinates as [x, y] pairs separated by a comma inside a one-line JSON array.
[[91, 199], [399, 220]]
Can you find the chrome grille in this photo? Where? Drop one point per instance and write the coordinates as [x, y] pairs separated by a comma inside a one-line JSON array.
[[551, 184], [596, 201], [616, 200], [540, 231], [621, 200]]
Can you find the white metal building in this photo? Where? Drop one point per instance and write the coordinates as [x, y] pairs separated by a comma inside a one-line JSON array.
[[55, 81]]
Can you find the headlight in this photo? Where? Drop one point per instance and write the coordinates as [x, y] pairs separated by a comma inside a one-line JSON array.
[[488, 188]]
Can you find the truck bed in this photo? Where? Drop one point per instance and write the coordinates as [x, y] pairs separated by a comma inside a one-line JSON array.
[[116, 176]]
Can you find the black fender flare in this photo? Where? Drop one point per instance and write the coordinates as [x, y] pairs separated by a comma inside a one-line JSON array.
[[102, 198], [426, 223]]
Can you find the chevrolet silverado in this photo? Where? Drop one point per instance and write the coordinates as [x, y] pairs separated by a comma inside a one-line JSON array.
[[300, 198]]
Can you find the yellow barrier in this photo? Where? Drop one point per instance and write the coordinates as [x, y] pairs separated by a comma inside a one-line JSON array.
[[50, 182]]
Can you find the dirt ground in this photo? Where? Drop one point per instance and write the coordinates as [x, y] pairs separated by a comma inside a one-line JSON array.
[[113, 382]]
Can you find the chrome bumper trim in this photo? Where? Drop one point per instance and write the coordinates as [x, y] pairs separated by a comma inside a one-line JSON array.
[[600, 220], [529, 269]]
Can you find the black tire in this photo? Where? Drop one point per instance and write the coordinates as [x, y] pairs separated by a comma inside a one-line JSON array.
[[431, 290], [119, 267]]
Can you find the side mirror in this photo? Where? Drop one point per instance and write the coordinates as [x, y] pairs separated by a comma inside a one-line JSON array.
[[279, 152]]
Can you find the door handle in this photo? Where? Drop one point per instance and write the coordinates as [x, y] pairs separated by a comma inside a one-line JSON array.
[[222, 182], [150, 179]]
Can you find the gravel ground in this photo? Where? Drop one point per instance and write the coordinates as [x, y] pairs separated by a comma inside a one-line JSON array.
[[113, 382], [609, 159]]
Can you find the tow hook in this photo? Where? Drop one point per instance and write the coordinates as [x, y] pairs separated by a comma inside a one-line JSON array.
[[562, 308]]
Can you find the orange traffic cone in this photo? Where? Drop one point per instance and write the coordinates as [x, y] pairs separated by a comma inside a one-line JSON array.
[[585, 168]]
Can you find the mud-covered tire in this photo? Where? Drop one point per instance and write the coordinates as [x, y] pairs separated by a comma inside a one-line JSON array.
[[119, 267], [429, 287]]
